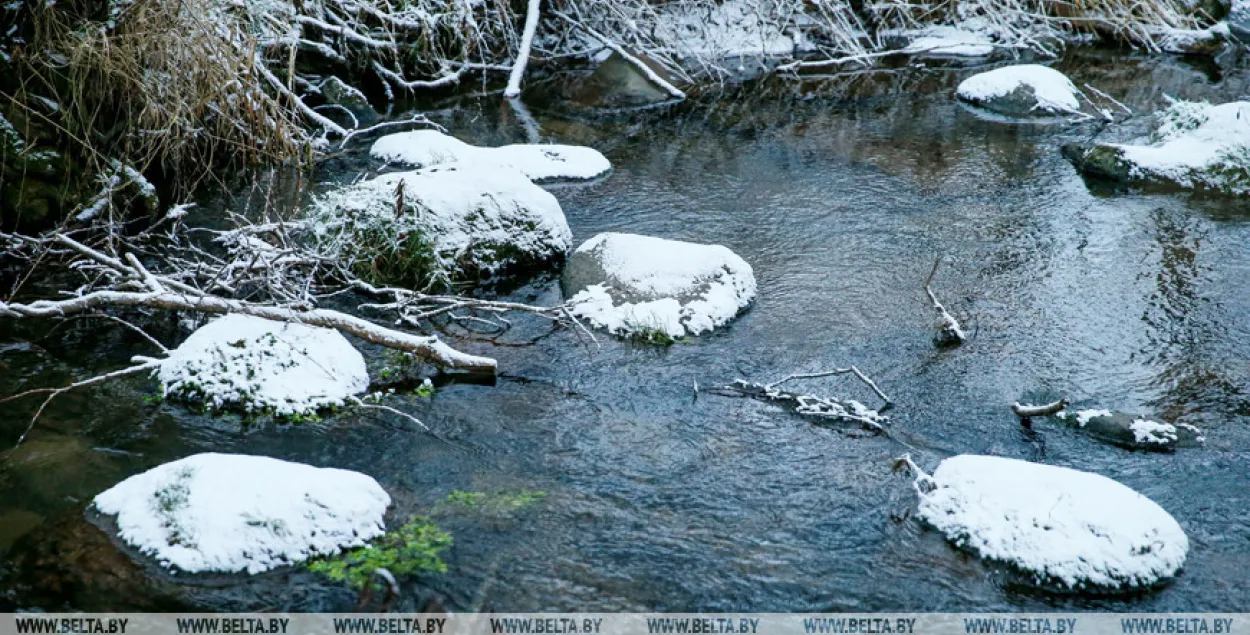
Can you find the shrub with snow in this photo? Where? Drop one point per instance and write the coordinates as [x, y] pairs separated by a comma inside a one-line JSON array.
[[630, 284], [1021, 90], [539, 162], [231, 512], [440, 224], [258, 365], [1195, 145], [1066, 527]]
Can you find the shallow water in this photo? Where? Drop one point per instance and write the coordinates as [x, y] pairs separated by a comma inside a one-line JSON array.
[[840, 193]]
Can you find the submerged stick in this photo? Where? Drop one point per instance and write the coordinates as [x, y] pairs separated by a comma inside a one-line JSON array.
[[949, 332]]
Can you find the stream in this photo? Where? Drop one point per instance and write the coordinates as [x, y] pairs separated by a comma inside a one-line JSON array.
[[840, 193]]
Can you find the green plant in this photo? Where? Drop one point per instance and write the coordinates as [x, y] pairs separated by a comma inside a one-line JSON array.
[[425, 390], [411, 549], [499, 503]]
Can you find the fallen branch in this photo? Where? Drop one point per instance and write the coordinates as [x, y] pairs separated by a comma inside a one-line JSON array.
[[523, 53], [53, 393], [949, 332], [1025, 411], [838, 371]]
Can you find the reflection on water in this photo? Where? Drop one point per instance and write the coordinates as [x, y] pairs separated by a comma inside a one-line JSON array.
[[840, 193]]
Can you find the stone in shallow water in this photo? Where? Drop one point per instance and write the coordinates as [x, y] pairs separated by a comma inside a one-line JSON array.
[[477, 220], [233, 513], [1195, 145], [618, 84], [538, 162], [258, 365], [1133, 431], [1023, 90], [630, 284], [1065, 527]]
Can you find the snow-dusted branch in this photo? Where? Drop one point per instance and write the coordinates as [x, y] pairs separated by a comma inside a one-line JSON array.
[[1026, 411], [642, 67], [949, 332], [523, 52], [837, 371]]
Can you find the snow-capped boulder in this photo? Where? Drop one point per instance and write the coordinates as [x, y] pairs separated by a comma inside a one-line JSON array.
[[1065, 527], [1133, 431], [232, 512], [1195, 145], [456, 221], [616, 83], [1022, 90], [539, 162], [258, 365], [630, 284]]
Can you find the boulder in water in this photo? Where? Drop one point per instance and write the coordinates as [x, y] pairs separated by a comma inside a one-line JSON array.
[[1065, 527], [1023, 90], [1195, 145], [538, 162], [1133, 431], [631, 285]]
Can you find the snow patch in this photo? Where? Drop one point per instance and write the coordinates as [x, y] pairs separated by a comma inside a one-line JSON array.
[[232, 512], [1145, 431], [1053, 90], [1064, 525], [1083, 416], [425, 148], [260, 365], [670, 286], [734, 28], [949, 40]]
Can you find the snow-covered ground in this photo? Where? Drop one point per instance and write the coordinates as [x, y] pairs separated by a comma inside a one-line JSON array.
[[1047, 90], [233, 512], [1196, 144], [627, 283], [259, 365], [485, 218], [734, 28], [949, 40], [1064, 526], [539, 162]]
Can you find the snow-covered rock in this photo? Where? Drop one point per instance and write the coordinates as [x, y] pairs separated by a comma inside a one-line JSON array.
[[1195, 145], [1064, 526], [627, 283], [539, 162], [233, 512], [259, 365], [617, 83], [1021, 90], [474, 220], [1133, 431], [945, 40]]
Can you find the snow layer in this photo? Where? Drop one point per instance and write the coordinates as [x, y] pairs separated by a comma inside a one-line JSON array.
[[1146, 431], [1197, 144], [949, 40], [425, 148], [261, 365], [1062, 525], [734, 28], [233, 512], [486, 219], [676, 287], [1053, 90], [1083, 416]]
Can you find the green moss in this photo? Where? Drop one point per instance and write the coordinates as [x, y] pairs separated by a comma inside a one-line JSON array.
[[499, 502], [409, 550], [651, 336]]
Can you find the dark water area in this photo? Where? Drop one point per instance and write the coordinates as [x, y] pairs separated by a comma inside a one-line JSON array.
[[840, 192]]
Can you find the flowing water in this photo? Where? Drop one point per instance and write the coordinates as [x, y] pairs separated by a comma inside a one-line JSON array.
[[841, 193]]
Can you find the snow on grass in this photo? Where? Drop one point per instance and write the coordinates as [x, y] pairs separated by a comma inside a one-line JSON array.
[[259, 365], [1196, 144], [643, 284], [539, 162], [1064, 526], [232, 512], [1052, 90], [475, 218], [734, 28], [949, 40]]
